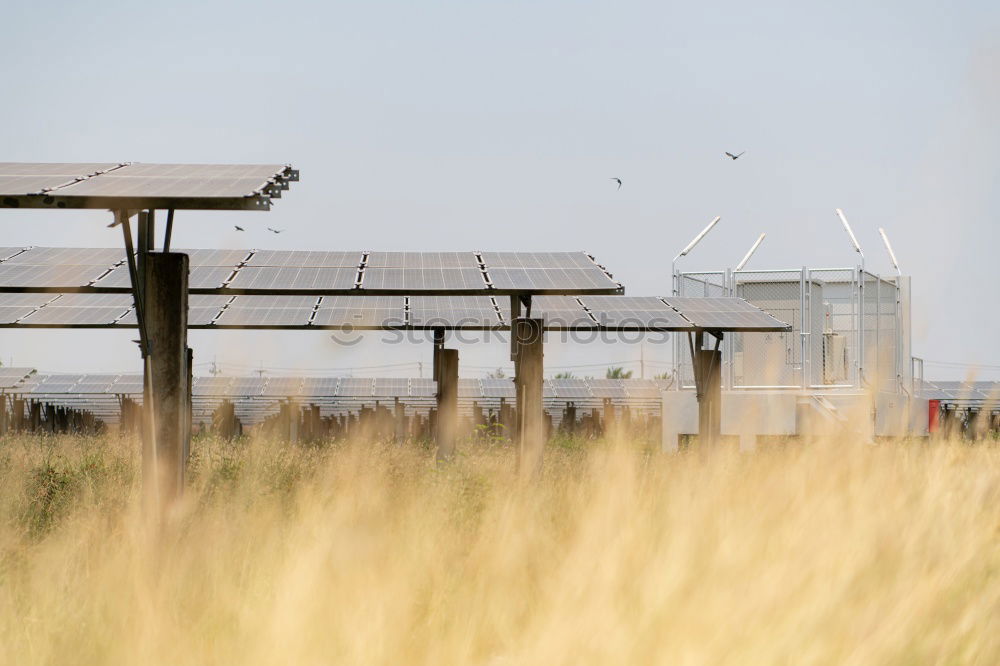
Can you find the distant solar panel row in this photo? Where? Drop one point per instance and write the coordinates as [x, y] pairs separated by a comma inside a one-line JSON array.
[[610, 313], [281, 271], [962, 392], [337, 387], [122, 185]]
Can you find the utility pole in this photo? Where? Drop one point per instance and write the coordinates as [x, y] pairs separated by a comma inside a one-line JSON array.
[[642, 359]]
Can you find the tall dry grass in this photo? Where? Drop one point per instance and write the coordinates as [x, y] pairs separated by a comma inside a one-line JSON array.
[[831, 553]]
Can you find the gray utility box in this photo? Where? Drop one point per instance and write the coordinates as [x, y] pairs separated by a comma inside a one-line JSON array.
[[787, 359]]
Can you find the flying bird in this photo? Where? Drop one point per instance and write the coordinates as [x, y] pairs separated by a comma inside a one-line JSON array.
[[617, 180], [275, 231], [735, 157], [238, 227]]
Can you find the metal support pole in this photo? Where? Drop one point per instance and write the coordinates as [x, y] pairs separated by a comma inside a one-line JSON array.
[[447, 403], [165, 447], [169, 232], [529, 337], [708, 389], [138, 286], [189, 404], [861, 326], [803, 344]]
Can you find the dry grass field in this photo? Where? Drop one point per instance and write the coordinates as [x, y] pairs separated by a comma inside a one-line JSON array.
[[831, 553]]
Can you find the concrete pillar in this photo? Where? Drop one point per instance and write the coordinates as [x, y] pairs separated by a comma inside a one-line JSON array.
[[569, 419], [708, 365], [35, 416], [610, 420], [447, 402], [528, 337], [399, 420], [293, 421], [166, 310], [18, 415]]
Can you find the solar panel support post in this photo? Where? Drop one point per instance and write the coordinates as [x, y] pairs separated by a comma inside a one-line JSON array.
[[137, 286], [165, 447], [447, 403], [528, 381], [169, 231], [399, 420], [189, 401], [707, 365]]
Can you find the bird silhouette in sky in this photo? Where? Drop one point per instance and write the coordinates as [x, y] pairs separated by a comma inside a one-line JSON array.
[[619, 181], [238, 227], [735, 157], [275, 231]]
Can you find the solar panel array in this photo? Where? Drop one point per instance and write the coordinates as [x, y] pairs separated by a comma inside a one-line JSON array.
[[280, 272], [11, 376], [961, 392], [257, 397], [122, 185], [608, 313]]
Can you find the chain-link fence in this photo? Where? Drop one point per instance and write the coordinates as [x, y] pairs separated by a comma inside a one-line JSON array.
[[847, 329]]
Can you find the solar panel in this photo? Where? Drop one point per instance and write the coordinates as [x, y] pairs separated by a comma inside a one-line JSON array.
[[420, 279], [293, 278], [456, 311], [570, 388], [537, 260], [123, 301], [560, 312], [217, 258], [138, 186], [239, 316], [199, 277], [642, 389], [299, 258], [11, 313], [423, 388], [75, 316], [283, 386], [391, 387], [607, 388], [210, 301], [26, 300], [277, 271], [422, 260], [469, 388], [566, 280], [69, 256], [16, 275], [498, 388], [175, 181], [19, 178], [727, 314], [320, 386], [197, 316], [360, 311], [211, 385], [356, 387], [11, 377], [634, 312], [246, 386]]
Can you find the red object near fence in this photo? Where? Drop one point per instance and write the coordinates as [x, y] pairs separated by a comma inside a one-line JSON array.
[[933, 414]]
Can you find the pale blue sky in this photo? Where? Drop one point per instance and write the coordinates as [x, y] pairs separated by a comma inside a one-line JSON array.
[[482, 125]]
